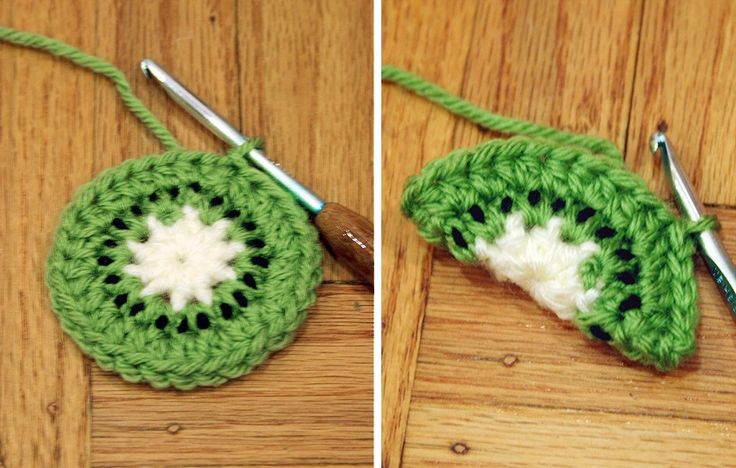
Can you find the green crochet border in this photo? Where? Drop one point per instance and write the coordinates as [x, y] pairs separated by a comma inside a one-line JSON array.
[[132, 345], [662, 331]]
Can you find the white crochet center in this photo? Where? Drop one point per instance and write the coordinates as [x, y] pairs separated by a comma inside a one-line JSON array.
[[184, 260], [541, 263]]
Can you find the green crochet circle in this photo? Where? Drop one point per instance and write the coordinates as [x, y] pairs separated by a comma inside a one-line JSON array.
[[647, 306], [141, 337]]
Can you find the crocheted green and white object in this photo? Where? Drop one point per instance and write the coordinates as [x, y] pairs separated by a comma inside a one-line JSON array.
[[180, 269], [561, 216], [183, 269]]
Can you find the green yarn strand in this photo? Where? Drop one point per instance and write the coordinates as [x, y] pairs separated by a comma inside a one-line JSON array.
[[97, 65], [486, 119]]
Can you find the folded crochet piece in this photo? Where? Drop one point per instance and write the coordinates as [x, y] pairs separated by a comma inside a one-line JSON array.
[[180, 269], [561, 216]]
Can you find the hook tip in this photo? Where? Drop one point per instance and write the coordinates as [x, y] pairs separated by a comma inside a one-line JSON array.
[[146, 65], [144, 68], [657, 139]]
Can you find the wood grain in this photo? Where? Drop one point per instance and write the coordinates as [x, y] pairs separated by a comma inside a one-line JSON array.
[[413, 132], [44, 391], [568, 65], [166, 35], [479, 373], [514, 436], [686, 61], [60, 126]]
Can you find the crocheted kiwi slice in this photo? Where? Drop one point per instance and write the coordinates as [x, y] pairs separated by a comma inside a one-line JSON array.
[[183, 269], [578, 231]]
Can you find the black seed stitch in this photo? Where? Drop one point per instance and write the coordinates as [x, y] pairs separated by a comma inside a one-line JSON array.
[[249, 226], [174, 192], [232, 214], [161, 322], [624, 254], [558, 204], [626, 277], [203, 321], [257, 243], [534, 197], [631, 302], [242, 300], [605, 232], [216, 201], [458, 238], [104, 260], [260, 261], [110, 243], [136, 309], [599, 333], [195, 186], [121, 299], [506, 204], [249, 281], [477, 214], [183, 326], [227, 311], [153, 197], [585, 214], [112, 279], [136, 210], [119, 223]]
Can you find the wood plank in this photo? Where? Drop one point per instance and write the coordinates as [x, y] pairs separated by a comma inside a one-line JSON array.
[[487, 345], [306, 88], [309, 404], [529, 436], [46, 126], [522, 60], [685, 77], [413, 132], [563, 369]]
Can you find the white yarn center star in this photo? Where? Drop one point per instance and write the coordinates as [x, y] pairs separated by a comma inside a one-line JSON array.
[[185, 260], [544, 265]]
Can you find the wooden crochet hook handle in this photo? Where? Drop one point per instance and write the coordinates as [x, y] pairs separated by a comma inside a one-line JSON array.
[[348, 235]]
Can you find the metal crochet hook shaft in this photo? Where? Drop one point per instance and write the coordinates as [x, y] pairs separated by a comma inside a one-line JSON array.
[[347, 234], [228, 133], [720, 265]]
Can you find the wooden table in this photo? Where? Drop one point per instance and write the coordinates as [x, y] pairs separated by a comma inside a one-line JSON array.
[[474, 372], [299, 74]]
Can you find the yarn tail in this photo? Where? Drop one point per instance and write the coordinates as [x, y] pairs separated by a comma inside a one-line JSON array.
[[99, 66], [492, 121]]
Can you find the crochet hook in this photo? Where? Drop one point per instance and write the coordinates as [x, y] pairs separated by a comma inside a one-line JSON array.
[[347, 234], [719, 263]]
